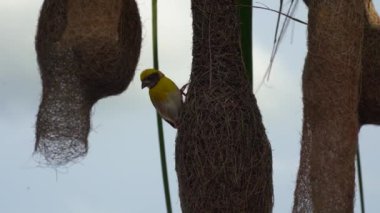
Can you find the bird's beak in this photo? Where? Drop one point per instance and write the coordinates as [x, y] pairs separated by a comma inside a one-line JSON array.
[[144, 84]]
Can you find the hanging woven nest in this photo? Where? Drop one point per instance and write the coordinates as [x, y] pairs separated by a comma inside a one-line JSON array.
[[86, 50], [223, 156], [330, 84]]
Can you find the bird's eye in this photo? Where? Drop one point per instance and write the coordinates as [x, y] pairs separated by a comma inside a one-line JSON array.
[[152, 77]]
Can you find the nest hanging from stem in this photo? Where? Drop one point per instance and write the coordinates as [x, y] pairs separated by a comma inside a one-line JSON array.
[[331, 79], [223, 156], [86, 50]]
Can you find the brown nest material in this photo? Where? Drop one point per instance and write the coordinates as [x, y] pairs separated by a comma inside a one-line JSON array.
[[369, 107], [86, 50], [223, 156], [331, 79]]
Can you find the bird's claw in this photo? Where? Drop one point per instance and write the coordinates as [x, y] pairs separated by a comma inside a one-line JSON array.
[[183, 89]]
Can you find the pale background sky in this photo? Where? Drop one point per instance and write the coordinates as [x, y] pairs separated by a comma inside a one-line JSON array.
[[121, 172]]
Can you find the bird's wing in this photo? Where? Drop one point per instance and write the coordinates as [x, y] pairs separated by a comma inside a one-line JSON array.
[[171, 123], [169, 109], [167, 99]]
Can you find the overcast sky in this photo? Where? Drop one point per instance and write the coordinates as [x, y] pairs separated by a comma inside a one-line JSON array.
[[121, 172]]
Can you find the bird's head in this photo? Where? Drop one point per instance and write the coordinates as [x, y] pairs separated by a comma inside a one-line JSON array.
[[150, 77]]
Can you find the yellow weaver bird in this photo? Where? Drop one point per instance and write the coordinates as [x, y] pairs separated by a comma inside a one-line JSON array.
[[164, 94]]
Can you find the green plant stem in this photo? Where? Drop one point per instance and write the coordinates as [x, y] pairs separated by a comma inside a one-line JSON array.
[[360, 179], [159, 120], [246, 37], [154, 34]]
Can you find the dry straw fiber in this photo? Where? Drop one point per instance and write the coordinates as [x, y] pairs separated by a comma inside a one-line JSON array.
[[223, 156], [331, 80], [86, 50]]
